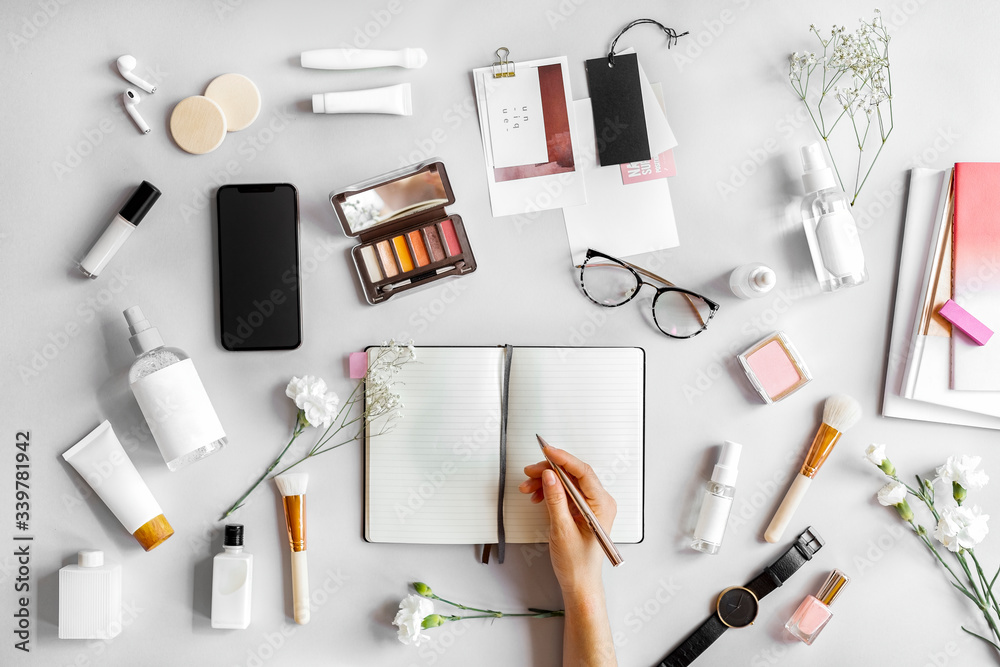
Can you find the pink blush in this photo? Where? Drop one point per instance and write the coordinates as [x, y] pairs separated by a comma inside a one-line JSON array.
[[774, 370]]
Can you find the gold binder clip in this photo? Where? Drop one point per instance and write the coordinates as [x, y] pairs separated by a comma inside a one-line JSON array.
[[503, 68]]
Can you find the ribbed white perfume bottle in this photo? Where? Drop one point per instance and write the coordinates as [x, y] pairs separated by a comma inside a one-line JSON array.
[[90, 598]]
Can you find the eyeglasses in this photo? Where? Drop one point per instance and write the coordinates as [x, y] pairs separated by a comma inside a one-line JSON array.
[[677, 312]]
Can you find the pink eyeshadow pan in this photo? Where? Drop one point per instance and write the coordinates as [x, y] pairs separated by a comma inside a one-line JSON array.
[[774, 367], [450, 237]]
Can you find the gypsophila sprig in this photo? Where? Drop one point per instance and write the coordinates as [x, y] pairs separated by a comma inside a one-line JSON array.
[[375, 394], [959, 528], [416, 614], [851, 78]]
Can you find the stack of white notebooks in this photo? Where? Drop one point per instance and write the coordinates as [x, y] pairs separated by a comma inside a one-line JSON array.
[[918, 383]]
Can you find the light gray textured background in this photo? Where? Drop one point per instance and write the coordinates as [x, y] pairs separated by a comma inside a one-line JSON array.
[[729, 103]]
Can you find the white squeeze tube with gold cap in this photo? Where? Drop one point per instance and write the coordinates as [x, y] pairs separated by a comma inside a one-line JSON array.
[[101, 460], [171, 396]]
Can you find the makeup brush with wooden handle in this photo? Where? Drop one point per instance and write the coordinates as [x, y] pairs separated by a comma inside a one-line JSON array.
[[839, 414], [293, 492]]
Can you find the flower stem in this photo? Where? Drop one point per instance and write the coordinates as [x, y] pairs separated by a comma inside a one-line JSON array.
[[491, 613], [987, 585], [433, 596], [500, 614], [300, 425]]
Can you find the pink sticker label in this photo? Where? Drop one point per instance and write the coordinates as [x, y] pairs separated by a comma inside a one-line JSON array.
[[661, 166], [359, 365]]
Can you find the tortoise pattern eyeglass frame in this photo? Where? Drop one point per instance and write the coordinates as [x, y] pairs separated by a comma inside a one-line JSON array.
[[638, 272]]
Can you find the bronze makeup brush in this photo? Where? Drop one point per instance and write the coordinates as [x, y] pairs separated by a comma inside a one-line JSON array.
[[293, 492], [839, 414]]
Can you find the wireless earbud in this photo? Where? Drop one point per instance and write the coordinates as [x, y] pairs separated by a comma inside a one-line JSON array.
[[125, 65], [131, 99]]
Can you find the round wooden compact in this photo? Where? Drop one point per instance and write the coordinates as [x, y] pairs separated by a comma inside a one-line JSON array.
[[198, 124], [239, 98]]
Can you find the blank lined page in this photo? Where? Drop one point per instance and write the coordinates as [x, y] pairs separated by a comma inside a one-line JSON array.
[[433, 479], [588, 401]]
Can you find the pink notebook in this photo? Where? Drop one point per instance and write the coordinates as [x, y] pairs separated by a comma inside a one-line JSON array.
[[976, 272]]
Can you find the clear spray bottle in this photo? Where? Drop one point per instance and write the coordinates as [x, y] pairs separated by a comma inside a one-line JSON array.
[[171, 397], [831, 231], [718, 501]]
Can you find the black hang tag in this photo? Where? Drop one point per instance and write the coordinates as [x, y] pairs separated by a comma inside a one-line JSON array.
[[619, 118]]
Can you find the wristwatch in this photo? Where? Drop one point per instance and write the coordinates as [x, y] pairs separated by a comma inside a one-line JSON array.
[[737, 606]]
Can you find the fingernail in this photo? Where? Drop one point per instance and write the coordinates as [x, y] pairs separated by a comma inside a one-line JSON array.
[[548, 478]]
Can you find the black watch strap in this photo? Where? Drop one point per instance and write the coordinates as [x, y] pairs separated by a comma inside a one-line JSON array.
[[777, 573], [696, 643], [804, 548]]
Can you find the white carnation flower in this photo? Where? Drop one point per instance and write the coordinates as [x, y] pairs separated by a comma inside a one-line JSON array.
[[892, 494], [964, 471], [875, 453], [409, 619], [311, 396], [961, 527]]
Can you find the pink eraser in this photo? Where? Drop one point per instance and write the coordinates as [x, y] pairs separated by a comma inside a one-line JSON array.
[[359, 365], [965, 322]]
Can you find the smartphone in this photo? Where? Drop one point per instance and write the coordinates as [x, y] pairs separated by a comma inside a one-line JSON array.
[[259, 290]]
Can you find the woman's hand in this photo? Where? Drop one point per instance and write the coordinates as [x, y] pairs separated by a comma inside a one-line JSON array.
[[576, 554]]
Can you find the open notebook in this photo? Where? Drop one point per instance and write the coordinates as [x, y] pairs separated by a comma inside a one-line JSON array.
[[434, 478]]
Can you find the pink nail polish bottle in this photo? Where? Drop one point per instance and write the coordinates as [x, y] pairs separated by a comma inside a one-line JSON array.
[[814, 612]]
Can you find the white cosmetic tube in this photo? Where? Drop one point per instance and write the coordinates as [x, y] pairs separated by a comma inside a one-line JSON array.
[[393, 100], [363, 58], [101, 460]]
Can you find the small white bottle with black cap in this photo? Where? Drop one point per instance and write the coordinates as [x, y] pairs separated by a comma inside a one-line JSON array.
[[751, 281], [718, 501], [171, 397], [120, 228], [232, 579]]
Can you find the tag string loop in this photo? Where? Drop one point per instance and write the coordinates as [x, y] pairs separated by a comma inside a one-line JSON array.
[[672, 36]]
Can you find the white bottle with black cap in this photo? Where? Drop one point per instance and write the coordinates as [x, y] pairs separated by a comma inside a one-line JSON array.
[[232, 580], [116, 233], [718, 501], [171, 396]]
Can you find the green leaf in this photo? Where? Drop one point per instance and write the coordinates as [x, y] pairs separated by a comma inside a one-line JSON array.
[[966, 593], [991, 643]]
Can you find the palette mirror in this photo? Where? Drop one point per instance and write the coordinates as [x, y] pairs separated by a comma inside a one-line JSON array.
[[395, 200]]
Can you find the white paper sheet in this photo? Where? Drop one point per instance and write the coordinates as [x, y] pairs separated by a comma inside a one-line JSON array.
[[588, 401], [538, 193], [517, 126], [918, 241], [661, 136], [433, 478], [620, 220]]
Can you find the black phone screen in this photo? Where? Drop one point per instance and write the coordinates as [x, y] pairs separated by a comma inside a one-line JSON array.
[[259, 295]]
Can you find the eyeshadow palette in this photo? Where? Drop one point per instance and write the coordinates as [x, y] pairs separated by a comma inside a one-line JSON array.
[[408, 240]]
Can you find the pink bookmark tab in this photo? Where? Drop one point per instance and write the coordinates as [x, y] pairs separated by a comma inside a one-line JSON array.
[[359, 365], [965, 322]]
